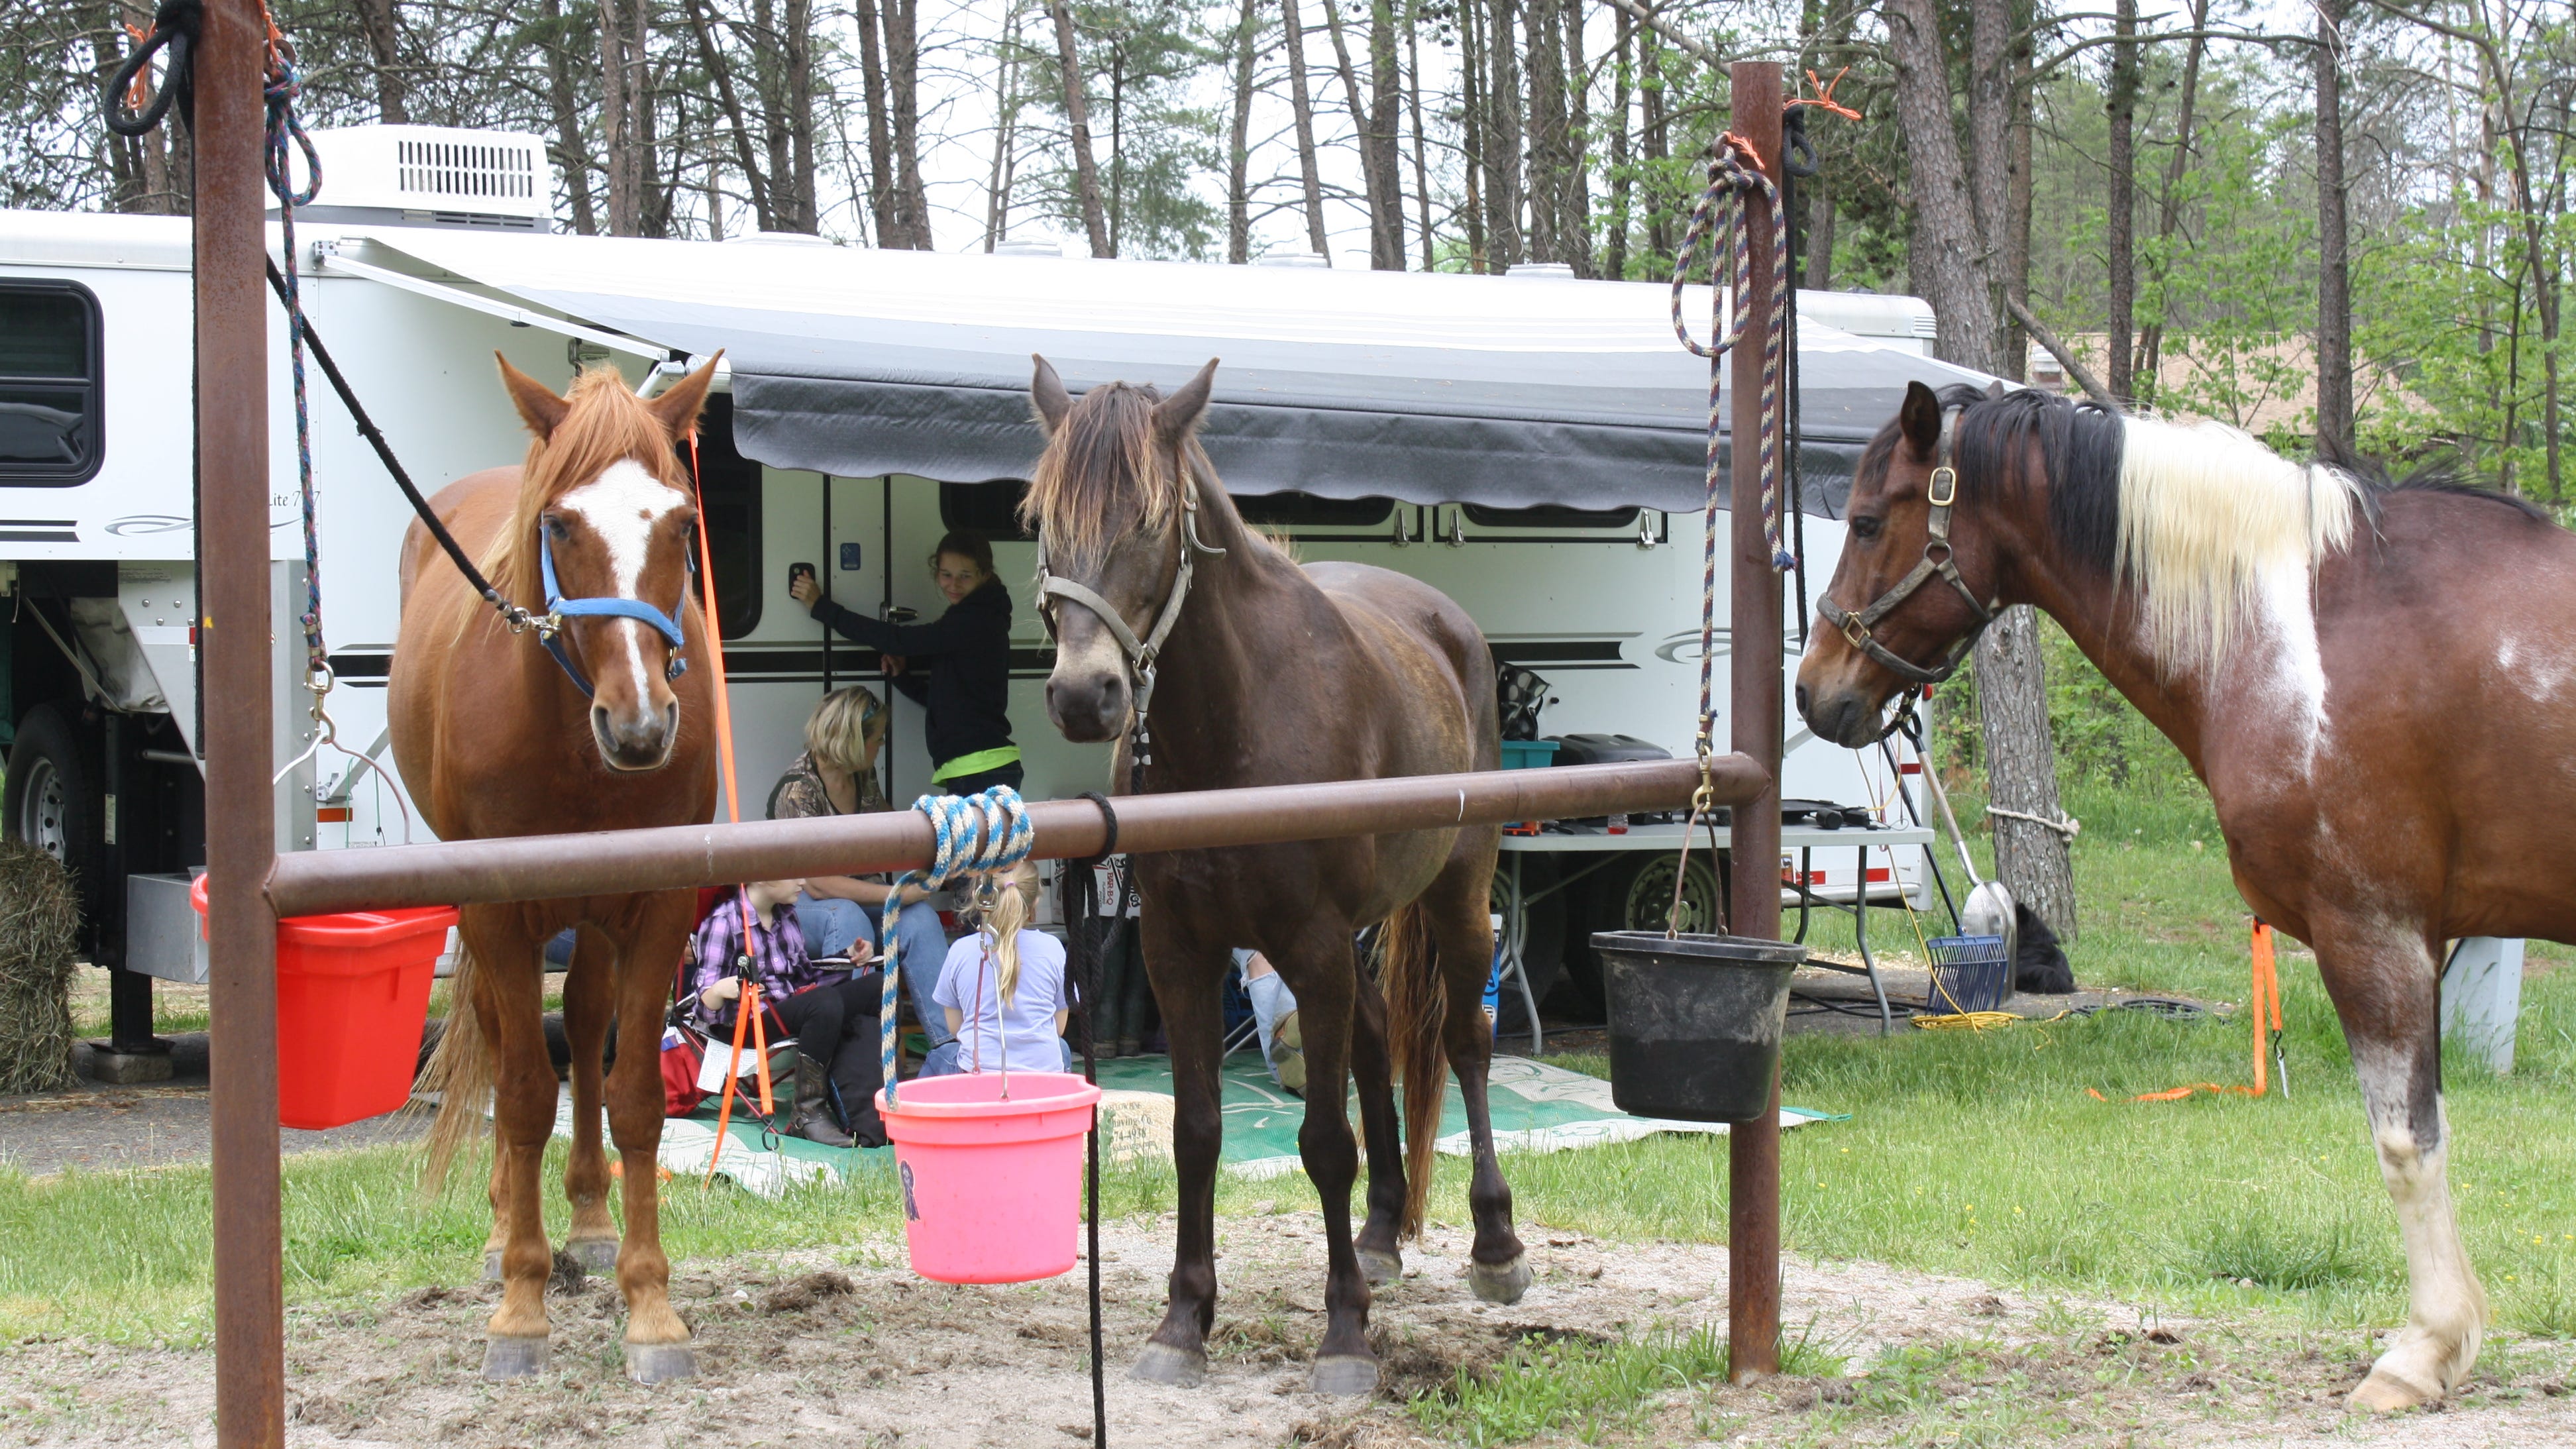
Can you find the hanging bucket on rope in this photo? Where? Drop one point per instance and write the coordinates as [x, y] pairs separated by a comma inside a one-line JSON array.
[[352, 999], [992, 1186], [1695, 1022]]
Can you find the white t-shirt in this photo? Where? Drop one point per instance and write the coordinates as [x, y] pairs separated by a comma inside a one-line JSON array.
[[969, 981]]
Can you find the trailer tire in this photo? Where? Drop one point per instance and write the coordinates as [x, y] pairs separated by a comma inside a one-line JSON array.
[[48, 802]]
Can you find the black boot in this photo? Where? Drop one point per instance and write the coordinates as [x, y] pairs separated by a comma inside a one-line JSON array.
[[855, 1076], [814, 1107]]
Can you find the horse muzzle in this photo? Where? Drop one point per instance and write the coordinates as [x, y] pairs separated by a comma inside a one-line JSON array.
[[1843, 716], [638, 737], [1089, 707]]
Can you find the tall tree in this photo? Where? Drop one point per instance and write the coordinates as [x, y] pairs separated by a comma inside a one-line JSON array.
[[571, 145], [1950, 257], [1413, 105], [1006, 133], [1549, 160], [1378, 180], [2334, 266], [1473, 130], [1502, 139], [1574, 195], [1654, 138], [626, 112], [2120, 199], [1614, 253], [1095, 221], [2151, 337], [383, 22], [1302, 114], [1238, 147]]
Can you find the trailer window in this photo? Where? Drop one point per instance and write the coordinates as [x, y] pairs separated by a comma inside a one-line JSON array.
[[1551, 515], [49, 383], [1305, 510], [991, 509], [729, 488]]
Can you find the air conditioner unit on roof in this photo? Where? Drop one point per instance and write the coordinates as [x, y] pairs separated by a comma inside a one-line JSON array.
[[433, 176]]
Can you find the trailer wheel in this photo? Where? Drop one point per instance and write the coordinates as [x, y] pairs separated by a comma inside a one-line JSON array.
[[47, 802], [1633, 894]]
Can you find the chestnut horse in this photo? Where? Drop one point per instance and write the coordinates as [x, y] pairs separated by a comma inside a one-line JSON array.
[[1272, 674], [495, 737], [2365, 675]]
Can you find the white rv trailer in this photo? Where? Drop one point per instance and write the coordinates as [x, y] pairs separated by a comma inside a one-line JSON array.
[[1532, 446]]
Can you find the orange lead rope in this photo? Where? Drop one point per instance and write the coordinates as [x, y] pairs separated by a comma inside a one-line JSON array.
[[2264, 1006], [749, 1004]]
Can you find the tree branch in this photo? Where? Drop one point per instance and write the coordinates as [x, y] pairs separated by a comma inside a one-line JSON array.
[[2066, 358], [1657, 24]]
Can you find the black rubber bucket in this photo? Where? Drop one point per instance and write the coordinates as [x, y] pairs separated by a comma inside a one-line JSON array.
[[1695, 1022]]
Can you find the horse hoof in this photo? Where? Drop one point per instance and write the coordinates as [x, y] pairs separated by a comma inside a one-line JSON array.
[[655, 1363], [492, 1266], [595, 1255], [1381, 1265], [1171, 1367], [509, 1356], [2385, 1393], [1345, 1373], [1500, 1282]]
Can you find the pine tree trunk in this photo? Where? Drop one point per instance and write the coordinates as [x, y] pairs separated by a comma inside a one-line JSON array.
[[881, 169], [1077, 118], [1474, 130], [737, 125], [1413, 104], [1238, 147], [1386, 105], [2334, 272], [624, 125], [382, 20], [1502, 137], [1574, 185], [1614, 251], [1546, 130], [801, 210], [1377, 178], [1302, 110], [2120, 201], [1655, 141], [1989, 152], [2169, 208], [2017, 208], [2021, 769], [1006, 117], [903, 103]]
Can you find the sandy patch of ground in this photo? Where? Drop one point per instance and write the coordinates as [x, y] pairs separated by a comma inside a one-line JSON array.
[[849, 1348]]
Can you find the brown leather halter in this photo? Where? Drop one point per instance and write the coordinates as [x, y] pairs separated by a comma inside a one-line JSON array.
[[1939, 562]]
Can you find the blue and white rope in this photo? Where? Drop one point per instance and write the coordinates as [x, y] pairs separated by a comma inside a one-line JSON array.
[[975, 834]]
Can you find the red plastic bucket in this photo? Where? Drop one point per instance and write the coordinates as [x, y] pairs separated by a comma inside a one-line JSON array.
[[992, 1189], [352, 1000]]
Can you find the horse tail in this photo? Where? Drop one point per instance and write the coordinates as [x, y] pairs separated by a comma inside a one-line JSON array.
[[459, 1070], [1416, 1016]]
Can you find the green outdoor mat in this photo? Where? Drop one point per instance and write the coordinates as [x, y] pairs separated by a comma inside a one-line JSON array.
[[1536, 1108]]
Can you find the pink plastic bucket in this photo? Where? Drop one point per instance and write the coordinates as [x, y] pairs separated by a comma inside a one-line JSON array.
[[992, 1189]]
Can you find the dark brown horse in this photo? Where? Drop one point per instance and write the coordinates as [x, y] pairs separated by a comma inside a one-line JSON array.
[[494, 737], [2371, 680], [1272, 674]]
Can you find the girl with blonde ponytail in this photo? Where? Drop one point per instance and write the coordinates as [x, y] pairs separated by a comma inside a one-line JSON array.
[[1003, 988]]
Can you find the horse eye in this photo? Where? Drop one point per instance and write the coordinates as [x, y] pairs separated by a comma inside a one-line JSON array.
[[555, 529], [1865, 528]]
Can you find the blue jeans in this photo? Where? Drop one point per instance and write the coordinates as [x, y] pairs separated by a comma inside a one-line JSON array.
[[942, 1061], [1271, 1000], [925, 950], [831, 925]]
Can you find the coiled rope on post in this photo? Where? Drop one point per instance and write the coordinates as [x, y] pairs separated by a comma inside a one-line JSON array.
[[975, 834], [1723, 219]]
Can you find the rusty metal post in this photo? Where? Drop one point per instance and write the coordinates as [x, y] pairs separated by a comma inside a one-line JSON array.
[[241, 842], [1753, 1148]]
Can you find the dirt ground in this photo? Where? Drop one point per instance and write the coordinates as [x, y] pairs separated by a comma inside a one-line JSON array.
[[851, 1349]]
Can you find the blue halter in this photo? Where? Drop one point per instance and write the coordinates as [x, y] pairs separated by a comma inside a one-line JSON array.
[[559, 608]]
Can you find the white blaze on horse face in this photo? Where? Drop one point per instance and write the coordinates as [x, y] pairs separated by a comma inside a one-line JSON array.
[[623, 506]]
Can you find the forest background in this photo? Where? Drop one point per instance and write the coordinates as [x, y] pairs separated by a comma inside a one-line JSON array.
[[2344, 222]]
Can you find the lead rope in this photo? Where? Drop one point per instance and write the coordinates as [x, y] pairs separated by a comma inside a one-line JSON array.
[[1089, 962], [973, 835], [1722, 218]]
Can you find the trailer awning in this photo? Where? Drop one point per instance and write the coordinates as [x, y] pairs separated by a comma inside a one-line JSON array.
[[1509, 392]]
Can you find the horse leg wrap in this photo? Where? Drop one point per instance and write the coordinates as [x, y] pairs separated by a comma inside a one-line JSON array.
[[1346, 1374], [1177, 1368], [655, 1363], [513, 1356], [1500, 1282]]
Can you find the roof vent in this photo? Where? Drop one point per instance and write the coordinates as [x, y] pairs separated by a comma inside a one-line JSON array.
[[433, 176], [785, 238], [1028, 246], [1541, 269], [1294, 259]]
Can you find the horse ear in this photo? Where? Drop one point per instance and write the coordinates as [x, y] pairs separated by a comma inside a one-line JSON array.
[[1047, 396], [1994, 389], [679, 406], [1174, 416], [1921, 418], [539, 406]]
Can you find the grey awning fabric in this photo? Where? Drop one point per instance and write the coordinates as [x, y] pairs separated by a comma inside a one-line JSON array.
[[1431, 389]]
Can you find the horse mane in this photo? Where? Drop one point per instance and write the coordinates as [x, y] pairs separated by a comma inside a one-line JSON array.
[[1098, 480], [2200, 516], [605, 424]]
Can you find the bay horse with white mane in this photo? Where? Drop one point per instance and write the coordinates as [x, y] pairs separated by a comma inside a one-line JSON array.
[[496, 737], [2370, 679], [1266, 673]]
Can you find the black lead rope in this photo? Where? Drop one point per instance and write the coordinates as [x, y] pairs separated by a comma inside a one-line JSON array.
[[1094, 960], [384, 453], [1800, 162], [175, 26]]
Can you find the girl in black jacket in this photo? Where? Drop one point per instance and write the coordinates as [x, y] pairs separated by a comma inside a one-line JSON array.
[[957, 666]]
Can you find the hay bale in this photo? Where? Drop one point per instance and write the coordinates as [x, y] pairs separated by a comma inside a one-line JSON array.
[[39, 933]]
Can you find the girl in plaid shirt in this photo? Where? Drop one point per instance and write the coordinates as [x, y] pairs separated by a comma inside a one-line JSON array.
[[752, 932]]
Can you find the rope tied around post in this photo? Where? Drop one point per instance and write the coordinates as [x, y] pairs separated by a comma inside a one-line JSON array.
[[1722, 219], [973, 835]]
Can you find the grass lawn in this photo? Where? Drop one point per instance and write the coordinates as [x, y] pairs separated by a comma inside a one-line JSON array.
[[1980, 1155]]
